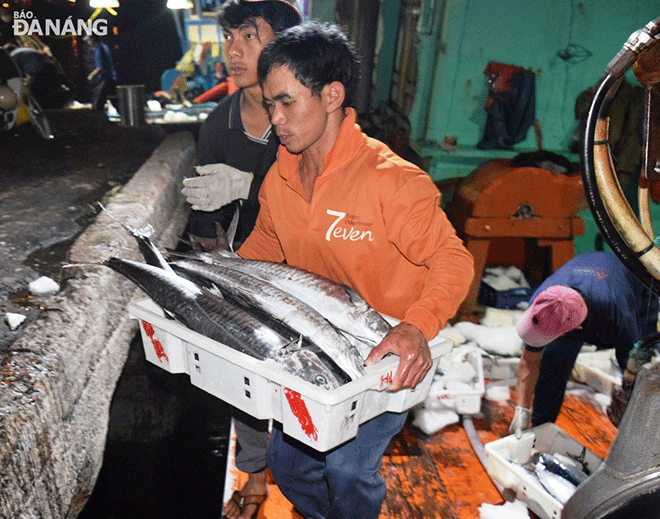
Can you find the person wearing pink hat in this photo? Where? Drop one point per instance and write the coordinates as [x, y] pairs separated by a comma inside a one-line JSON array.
[[592, 299], [235, 148]]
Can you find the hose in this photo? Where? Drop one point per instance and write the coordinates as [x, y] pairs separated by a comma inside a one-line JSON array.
[[594, 199], [605, 90], [478, 448]]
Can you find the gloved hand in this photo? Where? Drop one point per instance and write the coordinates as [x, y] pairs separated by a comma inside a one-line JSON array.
[[216, 185], [521, 421]]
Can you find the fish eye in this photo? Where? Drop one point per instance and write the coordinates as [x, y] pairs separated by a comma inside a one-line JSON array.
[[320, 380]]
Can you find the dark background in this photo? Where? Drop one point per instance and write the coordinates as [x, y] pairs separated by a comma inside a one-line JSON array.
[[142, 37]]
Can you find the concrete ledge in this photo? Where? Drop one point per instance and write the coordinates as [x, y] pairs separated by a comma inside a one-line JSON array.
[[57, 380]]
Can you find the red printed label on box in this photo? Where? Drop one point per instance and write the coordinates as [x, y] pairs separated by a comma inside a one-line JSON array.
[[299, 409], [386, 380], [160, 351]]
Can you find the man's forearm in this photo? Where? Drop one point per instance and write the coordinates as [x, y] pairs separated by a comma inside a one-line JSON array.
[[528, 375]]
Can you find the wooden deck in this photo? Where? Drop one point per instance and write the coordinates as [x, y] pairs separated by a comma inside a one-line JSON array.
[[440, 476]]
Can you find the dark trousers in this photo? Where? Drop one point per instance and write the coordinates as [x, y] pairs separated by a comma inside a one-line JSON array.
[[555, 370], [102, 90]]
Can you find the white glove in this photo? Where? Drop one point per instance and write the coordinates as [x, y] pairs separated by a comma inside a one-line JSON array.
[[521, 421], [217, 185]]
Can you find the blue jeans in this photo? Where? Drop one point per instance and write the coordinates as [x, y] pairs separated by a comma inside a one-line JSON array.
[[340, 484]]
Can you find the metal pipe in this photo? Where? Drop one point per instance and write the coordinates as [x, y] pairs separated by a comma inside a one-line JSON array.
[[367, 25], [403, 65]]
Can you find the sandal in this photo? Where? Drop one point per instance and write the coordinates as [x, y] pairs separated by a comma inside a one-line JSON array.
[[242, 501]]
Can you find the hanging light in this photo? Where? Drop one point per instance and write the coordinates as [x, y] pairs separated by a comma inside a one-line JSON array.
[[100, 4], [180, 4]]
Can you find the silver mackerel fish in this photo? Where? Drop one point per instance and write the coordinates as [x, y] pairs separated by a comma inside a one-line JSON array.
[[301, 317], [210, 315], [338, 303]]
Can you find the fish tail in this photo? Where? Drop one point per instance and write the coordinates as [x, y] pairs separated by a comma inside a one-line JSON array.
[[143, 237]]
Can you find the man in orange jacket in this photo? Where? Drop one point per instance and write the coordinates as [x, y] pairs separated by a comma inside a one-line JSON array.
[[343, 205]]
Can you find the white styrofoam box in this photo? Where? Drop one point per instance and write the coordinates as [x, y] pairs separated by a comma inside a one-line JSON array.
[[500, 368], [466, 400], [264, 389], [506, 455], [598, 370]]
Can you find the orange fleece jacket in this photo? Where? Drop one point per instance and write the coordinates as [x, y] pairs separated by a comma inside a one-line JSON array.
[[374, 223]]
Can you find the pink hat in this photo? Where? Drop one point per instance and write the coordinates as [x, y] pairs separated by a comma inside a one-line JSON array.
[[555, 311]]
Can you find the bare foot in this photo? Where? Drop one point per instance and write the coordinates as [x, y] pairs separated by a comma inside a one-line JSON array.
[[252, 494]]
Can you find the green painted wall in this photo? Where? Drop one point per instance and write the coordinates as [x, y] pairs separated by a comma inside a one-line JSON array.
[[323, 10], [460, 37]]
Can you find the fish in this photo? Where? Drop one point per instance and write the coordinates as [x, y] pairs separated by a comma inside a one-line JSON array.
[[553, 464], [210, 315], [556, 477], [201, 310], [342, 305], [311, 368], [308, 365], [555, 485], [283, 306], [363, 348], [148, 250]]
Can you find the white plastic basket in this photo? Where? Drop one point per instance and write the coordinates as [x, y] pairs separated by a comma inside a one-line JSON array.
[[319, 418], [506, 455]]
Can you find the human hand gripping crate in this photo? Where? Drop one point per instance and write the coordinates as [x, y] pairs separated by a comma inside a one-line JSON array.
[[598, 369]]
